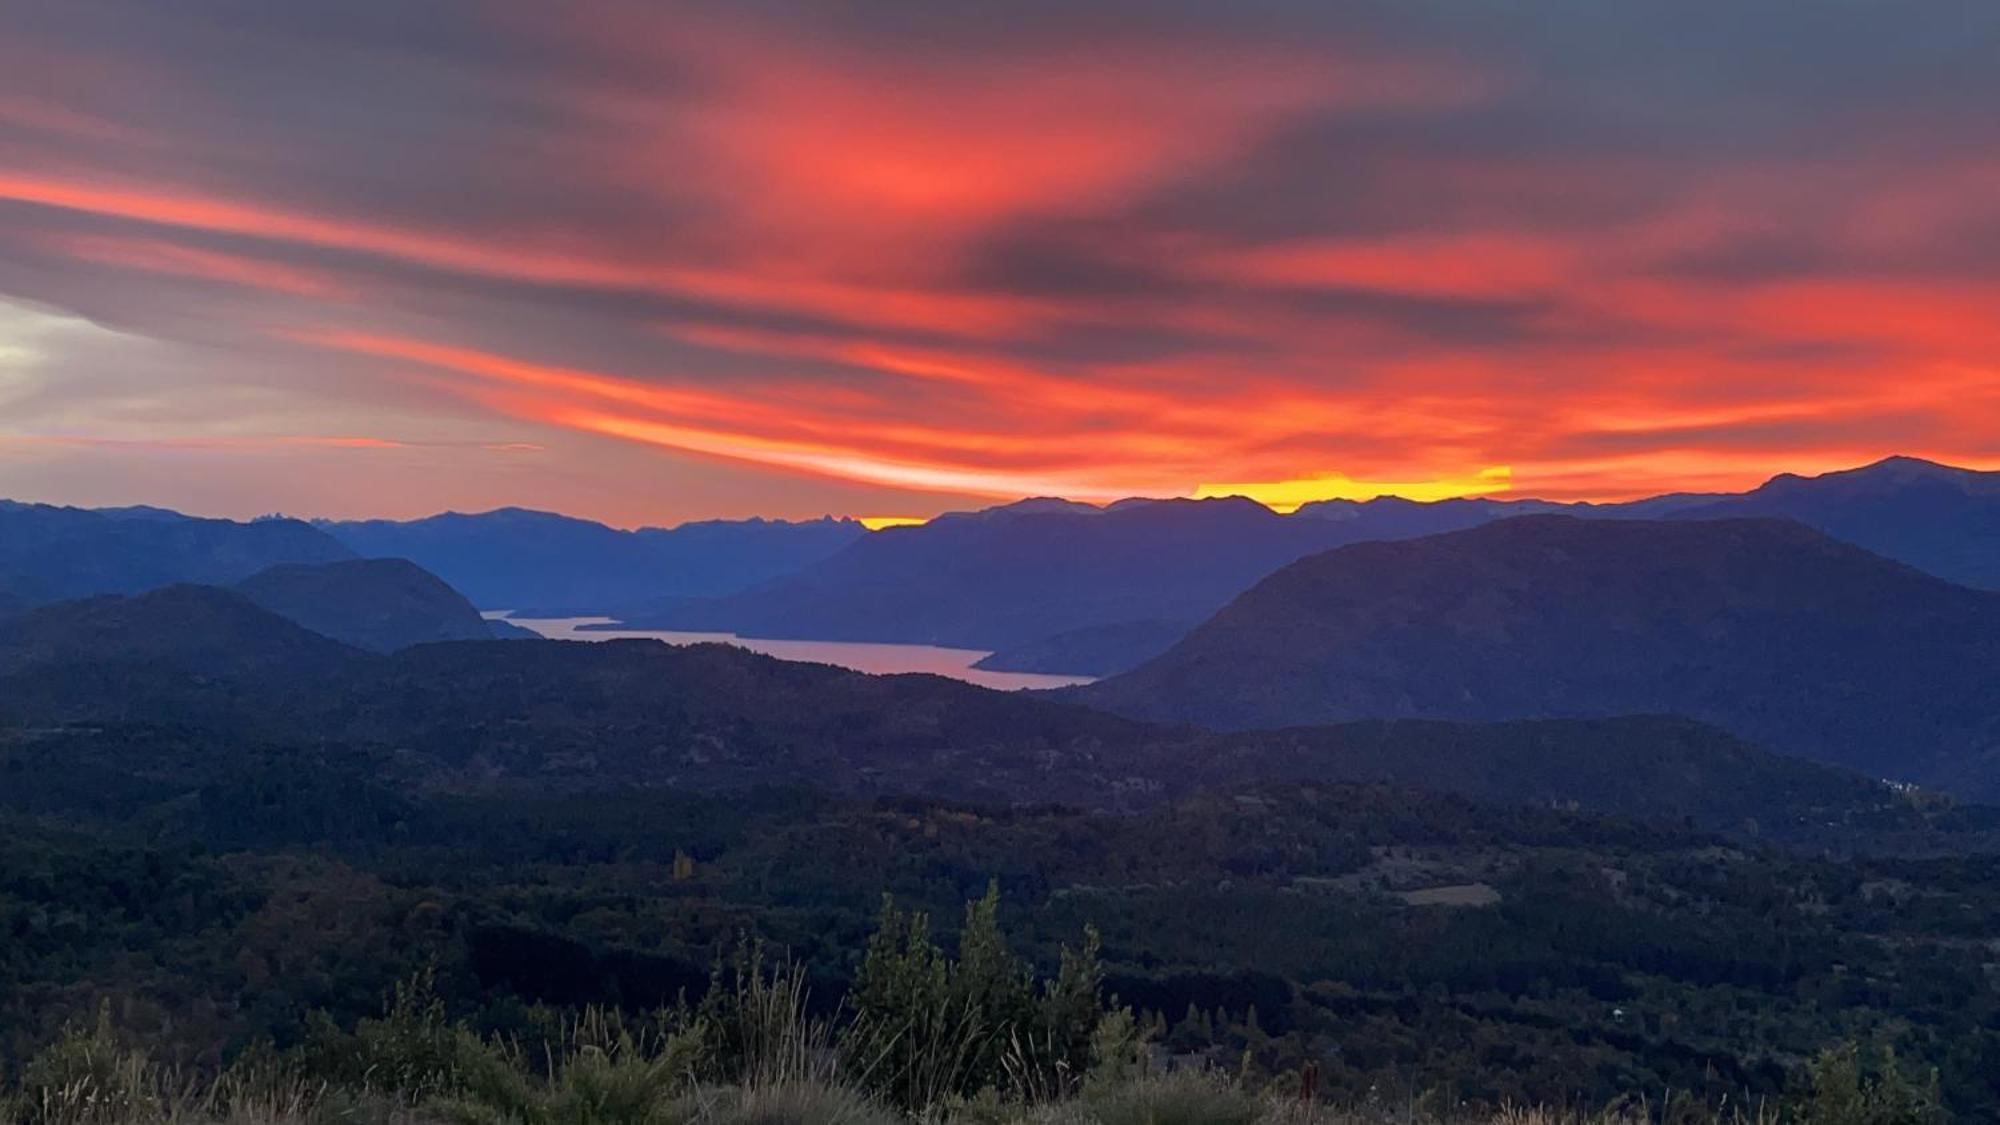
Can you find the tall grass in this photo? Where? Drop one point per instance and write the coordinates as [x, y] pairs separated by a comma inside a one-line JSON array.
[[601, 1071], [929, 1039]]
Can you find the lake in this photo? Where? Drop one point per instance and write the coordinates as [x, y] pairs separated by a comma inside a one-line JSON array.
[[879, 659]]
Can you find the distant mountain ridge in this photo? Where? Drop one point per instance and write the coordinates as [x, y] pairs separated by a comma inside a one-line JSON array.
[[1056, 586], [1017, 575], [517, 559], [1049, 585], [1939, 519], [1767, 628], [50, 554]]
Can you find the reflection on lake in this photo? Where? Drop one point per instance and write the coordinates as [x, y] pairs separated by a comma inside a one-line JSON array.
[[880, 659]]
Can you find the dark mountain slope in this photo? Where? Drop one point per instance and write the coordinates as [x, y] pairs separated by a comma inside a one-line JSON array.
[[504, 630], [1767, 628], [1939, 519], [51, 554], [376, 604], [183, 653], [1649, 767], [717, 716], [519, 559], [1094, 650], [203, 630]]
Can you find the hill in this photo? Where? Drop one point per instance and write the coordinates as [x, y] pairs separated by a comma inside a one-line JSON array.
[[715, 717], [197, 654], [519, 559], [51, 554], [1766, 628], [376, 604], [578, 717], [203, 630]]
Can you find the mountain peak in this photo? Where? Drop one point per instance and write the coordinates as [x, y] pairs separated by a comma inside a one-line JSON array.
[[1896, 471], [1031, 506]]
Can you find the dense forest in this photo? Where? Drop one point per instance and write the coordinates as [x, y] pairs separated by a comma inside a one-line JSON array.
[[231, 899]]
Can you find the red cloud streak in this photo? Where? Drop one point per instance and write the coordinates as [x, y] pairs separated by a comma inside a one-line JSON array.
[[957, 261]]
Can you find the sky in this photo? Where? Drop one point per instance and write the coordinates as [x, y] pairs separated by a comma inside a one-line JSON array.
[[649, 262]]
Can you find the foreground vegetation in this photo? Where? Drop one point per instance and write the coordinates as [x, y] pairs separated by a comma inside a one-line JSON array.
[[973, 1039], [218, 901]]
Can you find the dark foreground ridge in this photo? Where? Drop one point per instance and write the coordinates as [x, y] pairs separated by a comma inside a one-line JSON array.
[[377, 604]]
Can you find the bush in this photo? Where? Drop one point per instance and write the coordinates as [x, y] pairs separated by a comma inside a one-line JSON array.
[[928, 1030], [1842, 1088], [622, 1081], [87, 1076], [412, 1053]]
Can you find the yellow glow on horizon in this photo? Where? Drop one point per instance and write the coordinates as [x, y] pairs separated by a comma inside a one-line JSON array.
[[877, 523], [1288, 495]]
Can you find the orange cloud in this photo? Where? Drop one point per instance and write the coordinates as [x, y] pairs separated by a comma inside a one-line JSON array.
[[962, 254]]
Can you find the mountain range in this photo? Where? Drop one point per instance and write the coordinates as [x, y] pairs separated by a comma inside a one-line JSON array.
[[1767, 628], [1781, 635], [50, 554], [1047, 585], [520, 560], [1018, 574], [1939, 519], [1054, 586]]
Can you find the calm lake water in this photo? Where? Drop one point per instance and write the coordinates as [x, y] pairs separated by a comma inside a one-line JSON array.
[[879, 659]]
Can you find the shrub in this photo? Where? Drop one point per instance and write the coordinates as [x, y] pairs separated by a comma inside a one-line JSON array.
[[412, 1053], [1843, 1089], [86, 1076], [624, 1079], [928, 1030]]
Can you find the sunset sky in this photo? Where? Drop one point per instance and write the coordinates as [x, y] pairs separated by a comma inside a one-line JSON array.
[[649, 262]]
